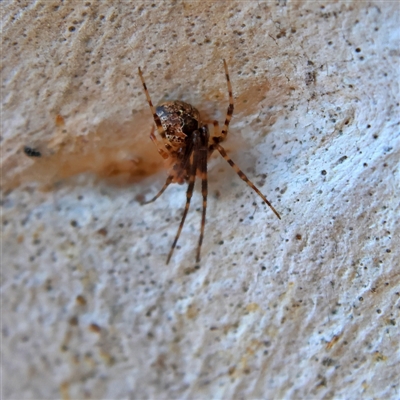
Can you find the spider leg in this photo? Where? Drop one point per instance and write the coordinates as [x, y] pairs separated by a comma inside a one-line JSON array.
[[166, 184], [155, 116], [215, 123], [216, 128], [189, 194], [216, 135], [224, 132], [204, 191], [244, 177], [160, 150]]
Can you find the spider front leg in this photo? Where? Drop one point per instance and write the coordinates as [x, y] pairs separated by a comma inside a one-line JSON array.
[[164, 155], [155, 116], [160, 150]]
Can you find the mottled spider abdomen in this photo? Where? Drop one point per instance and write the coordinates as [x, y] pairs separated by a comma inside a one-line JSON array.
[[179, 120]]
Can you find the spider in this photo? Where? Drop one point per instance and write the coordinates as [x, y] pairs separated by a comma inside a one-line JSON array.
[[186, 146]]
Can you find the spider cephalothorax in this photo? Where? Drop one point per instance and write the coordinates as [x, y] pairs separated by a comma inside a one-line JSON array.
[[186, 146]]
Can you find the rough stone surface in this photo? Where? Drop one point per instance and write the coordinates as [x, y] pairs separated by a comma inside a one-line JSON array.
[[305, 307]]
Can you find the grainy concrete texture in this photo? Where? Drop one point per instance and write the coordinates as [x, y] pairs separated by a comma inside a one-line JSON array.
[[305, 307]]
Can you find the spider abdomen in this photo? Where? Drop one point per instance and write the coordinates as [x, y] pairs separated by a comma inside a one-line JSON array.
[[179, 120]]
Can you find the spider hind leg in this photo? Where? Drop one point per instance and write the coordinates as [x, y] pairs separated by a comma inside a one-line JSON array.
[[221, 137], [166, 184], [243, 176], [189, 194], [203, 152]]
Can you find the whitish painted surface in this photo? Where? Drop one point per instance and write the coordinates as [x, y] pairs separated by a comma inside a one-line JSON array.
[[305, 307]]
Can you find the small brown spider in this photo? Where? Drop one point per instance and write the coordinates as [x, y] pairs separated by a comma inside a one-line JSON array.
[[187, 146]]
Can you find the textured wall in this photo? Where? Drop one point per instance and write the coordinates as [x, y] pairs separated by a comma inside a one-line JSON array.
[[305, 307]]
